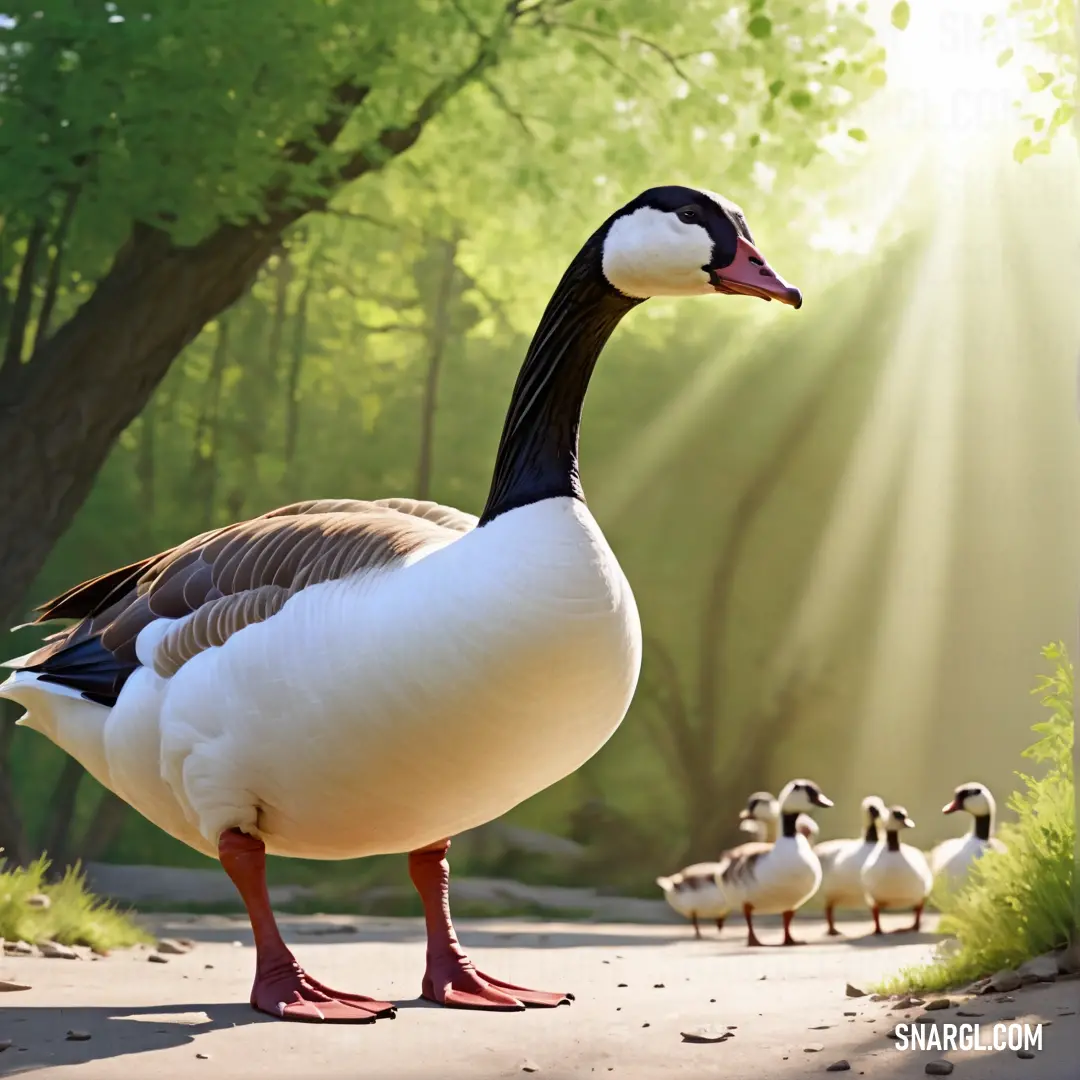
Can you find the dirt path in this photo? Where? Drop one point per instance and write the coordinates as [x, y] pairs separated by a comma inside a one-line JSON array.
[[186, 1018]]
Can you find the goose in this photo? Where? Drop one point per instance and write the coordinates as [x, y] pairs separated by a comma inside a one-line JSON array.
[[952, 858], [760, 817], [776, 878], [342, 678], [896, 875], [695, 892], [842, 862]]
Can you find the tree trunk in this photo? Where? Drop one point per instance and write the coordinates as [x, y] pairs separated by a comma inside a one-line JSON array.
[[56, 838], [436, 337], [13, 839], [208, 428], [105, 826], [296, 364], [24, 299]]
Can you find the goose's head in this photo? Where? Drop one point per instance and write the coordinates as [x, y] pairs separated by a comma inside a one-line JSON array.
[[682, 241], [897, 819], [974, 798], [761, 806], [874, 809], [801, 796]]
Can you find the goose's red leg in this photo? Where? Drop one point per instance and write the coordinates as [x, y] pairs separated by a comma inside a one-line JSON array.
[[751, 937], [788, 939], [830, 914], [282, 988], [450, 977]]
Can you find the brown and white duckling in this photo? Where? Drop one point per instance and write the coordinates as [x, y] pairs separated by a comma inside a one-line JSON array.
[[694, 892], [770, 879], [952, 858], [842, 862], [896, 876]]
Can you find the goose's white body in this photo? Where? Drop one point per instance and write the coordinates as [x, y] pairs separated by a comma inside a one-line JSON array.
[[842, 863], [952, 858], [381, 712], [781, 879], [896, 879]]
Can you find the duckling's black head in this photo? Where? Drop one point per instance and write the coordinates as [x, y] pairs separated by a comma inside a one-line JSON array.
[[683, 241]]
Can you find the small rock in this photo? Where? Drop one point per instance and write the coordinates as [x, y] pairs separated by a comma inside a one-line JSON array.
[[529, 1066], [39, 901], [5, 1044], [7, 985], [78, 1036], [853, 991], [18, 948], [820, 1027], [172, 947], [1039, 969], [891, 1034], [977, 987], [1068, 960], [1004, 999], [203, 1057], [186, 942], [813, 1048], [1004, 981], [906, 1003], [1027, 1054], [658, 986], [646, 1024], [712, 1001], [851, 1013], [55, 951], [938, 1003], [839, 1066], [208, 967], [762, 978], [706, 1035], [941, 1067], [157, 958], [879, 997], [1062, 1011], [969, 1012], [622, 986]]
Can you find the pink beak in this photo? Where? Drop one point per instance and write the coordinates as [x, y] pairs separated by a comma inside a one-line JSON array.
[[950, 808], [749, 274]]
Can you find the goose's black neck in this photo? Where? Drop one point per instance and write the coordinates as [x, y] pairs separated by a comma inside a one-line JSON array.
[[538, 451], [789, 821], [870, 837], [892, 839], [982, 826]]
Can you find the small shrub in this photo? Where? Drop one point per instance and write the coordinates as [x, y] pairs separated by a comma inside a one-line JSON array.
[[1019, 903], [74, 915]]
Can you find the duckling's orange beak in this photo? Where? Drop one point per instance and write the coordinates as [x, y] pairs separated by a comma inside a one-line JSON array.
[[748, 274]]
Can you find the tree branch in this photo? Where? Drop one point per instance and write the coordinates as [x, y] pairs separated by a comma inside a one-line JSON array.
[[24, 296], [52, 280]]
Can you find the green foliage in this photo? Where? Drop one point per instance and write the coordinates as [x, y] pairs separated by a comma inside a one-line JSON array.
[[1019, 903], [74, 915], [1051, 25], [901, 15]]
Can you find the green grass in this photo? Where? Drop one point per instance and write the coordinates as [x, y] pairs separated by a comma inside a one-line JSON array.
[[74, 915], [1019, 903]]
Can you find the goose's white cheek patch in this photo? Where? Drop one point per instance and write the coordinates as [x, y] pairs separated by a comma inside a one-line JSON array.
[[653, 253]]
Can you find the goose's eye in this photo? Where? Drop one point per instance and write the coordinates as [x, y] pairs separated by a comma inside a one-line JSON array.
[[689, 215]]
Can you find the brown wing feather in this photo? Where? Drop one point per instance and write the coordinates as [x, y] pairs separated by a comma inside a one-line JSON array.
[[739, 863], [227, 579]]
